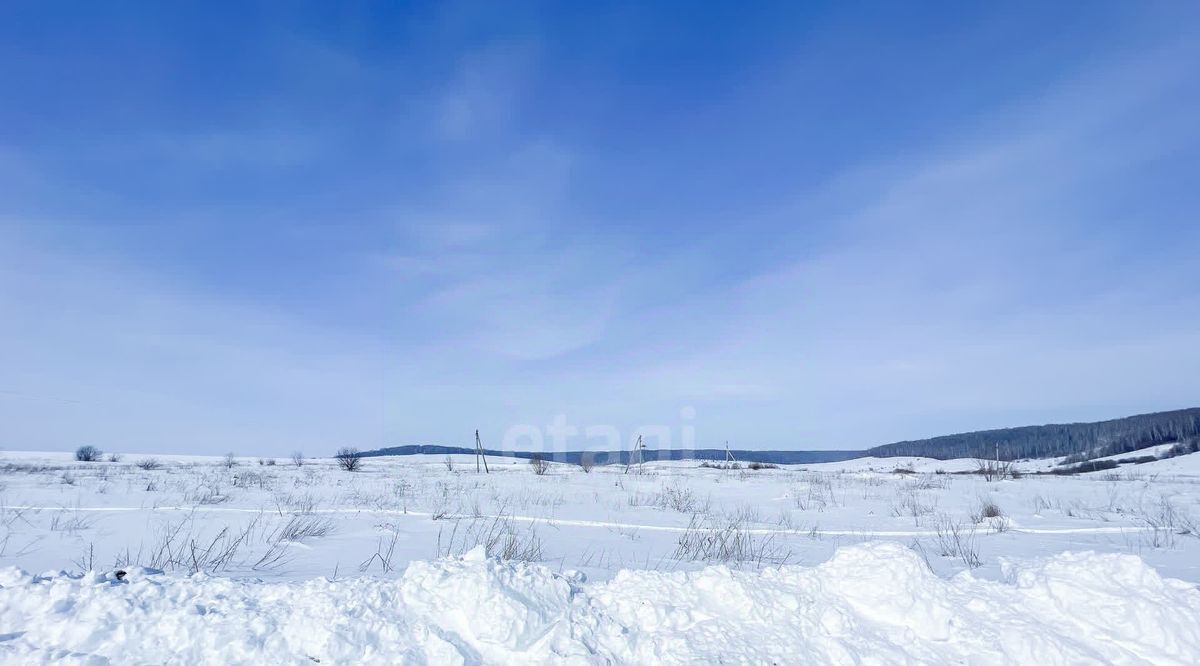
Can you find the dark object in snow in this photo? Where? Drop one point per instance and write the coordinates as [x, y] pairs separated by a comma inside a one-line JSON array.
[[120, 574]]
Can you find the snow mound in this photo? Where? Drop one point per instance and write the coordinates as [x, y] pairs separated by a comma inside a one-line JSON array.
[[871, 603]]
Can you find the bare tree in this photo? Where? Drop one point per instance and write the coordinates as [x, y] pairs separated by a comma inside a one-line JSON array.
[[230, 460], [587, 461], [540, 466], [994, 470], [449, 462], [297, 459], [349, 459], [88, 453]]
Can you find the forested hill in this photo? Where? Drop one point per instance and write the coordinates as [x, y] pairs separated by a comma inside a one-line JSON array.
[[1102, 438]]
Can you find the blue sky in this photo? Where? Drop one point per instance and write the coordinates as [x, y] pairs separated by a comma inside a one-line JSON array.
[[291, 226]]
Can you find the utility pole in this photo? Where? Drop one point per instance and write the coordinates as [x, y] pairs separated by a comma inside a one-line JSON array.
[[479, 455], [729, 454], [637, 451]]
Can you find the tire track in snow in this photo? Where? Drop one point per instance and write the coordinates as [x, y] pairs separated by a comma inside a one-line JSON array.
[[573, 522]]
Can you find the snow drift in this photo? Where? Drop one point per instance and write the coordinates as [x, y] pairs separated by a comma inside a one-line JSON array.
[[871, 603]]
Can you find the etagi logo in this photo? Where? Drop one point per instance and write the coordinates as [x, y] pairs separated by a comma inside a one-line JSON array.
[[560, 436]]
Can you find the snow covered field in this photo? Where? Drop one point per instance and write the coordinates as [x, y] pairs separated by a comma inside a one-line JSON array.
[[875, 559]]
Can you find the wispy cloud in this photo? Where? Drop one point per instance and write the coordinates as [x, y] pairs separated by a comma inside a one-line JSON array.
[[1032, 263]]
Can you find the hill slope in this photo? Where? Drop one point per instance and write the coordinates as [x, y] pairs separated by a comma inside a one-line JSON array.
[[1101, 438]]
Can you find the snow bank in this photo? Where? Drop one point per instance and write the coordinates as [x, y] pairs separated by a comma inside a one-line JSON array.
[[887, 465], [872, 603]]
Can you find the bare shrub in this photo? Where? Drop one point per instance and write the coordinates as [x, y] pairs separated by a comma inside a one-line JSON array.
[[1163, 523], [148, 464], [280, 539], [1166, 516], [761, 465], [349, 459], [230, 461], [1187, 525], [587, 462], [449, 463], [677, 498], [213, 555], [994, 470], [728, 542], [1157, 537], [87, 561], [1089, 466], [185, 546], [1039, 504], [195, 553], [25, 468], [300, 504], [251, 479], [955, 539], [818, 495], [500, 537], [275, 556], [521, 546], [70, 521], [383, 553], [207, 493], [744, 514], [305, 527], [931, 482], [988, 509], [88, 453], [919, 548], [911, 502], [297, 459], [707, 464], [539, 465], [114, 457]]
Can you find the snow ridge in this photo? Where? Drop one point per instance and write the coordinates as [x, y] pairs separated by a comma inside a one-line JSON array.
[[870, 603]]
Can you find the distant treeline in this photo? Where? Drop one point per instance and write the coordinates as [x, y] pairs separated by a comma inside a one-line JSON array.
[[622, 457], [1080, 440]]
